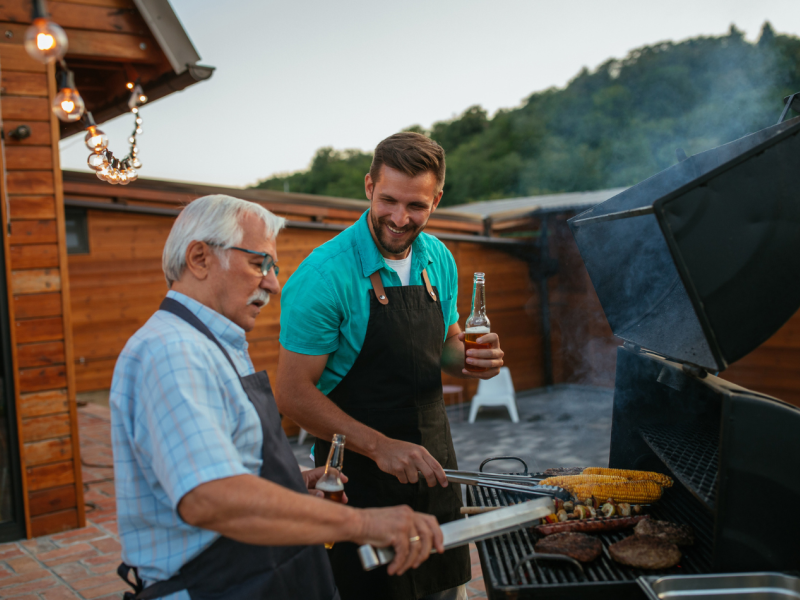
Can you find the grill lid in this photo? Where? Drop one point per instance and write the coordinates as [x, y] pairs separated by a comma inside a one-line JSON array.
[[701, 262]]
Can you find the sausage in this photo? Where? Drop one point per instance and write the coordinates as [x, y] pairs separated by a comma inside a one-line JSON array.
[[590, 525]]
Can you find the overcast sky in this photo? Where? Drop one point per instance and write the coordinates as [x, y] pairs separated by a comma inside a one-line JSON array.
[[297, 75]]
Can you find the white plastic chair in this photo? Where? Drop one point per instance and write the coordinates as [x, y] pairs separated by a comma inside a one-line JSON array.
[[301, 437], [497, 391]]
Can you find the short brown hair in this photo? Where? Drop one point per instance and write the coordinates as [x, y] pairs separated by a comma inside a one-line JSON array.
[[410, 153]]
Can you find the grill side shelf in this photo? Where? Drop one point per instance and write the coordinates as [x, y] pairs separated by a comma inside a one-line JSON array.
[[691, 453]]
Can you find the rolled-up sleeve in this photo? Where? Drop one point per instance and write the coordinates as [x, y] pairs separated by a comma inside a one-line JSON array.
[[310, 315], [182, 427]]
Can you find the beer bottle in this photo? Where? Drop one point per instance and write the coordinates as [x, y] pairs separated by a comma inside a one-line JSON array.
[[330, 484], [477, 324]]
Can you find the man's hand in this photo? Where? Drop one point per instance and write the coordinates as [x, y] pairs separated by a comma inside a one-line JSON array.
[[405, 461], [490, 358], [312, 476], [396, 527]]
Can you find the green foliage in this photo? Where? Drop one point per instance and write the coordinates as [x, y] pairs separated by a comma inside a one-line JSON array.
[[611, 127], [332, 173]]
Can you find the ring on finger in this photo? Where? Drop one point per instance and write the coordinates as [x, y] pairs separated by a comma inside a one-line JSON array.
[[413, 539]]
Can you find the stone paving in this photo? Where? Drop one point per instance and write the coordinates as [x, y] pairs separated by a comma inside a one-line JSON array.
[[562, 426]]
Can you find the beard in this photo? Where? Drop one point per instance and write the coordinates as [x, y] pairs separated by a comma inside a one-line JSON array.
[[259, 294], [391, 245]]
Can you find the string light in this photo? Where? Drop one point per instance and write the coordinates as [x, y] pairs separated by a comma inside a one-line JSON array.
[[68, 104], [44, 40], [108, 168]]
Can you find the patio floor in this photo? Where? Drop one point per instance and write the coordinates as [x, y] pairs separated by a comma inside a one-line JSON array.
[[562, 426]]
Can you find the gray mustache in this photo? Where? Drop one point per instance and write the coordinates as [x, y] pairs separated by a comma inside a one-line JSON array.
[[259, 294]]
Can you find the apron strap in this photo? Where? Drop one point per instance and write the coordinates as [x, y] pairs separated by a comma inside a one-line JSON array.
[[377, 285], [380, 293], [428, 286], [157, 590], [179, 310]]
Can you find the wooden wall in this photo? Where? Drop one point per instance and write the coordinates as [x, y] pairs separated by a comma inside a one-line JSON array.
[[119, 284], [36, 268]]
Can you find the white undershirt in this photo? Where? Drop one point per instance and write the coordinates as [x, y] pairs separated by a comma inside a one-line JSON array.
[[402, 267]]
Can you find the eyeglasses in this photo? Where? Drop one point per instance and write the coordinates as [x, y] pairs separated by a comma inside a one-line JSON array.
[[266, 264]]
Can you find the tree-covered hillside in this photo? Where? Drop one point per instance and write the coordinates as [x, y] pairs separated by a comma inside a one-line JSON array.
[[610, 127]]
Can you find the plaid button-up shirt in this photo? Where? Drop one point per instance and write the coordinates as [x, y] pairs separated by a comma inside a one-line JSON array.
[[179, 417]]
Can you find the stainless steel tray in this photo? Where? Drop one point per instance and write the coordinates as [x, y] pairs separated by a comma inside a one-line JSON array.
[[733, 586]]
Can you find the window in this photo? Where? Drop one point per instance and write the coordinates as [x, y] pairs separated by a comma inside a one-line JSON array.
[[77, 231]]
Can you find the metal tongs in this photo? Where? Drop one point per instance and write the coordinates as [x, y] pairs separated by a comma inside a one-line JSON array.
[[474, 529], [524, 484]]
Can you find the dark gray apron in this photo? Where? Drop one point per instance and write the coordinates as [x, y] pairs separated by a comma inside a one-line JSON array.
[[395, 387], [231, 570]]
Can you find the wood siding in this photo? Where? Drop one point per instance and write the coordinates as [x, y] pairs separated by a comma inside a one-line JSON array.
[[36, 268], [118, 285]]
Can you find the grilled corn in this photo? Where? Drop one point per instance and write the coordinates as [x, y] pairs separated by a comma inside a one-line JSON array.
[[634, 492], [568, 482], [630, 474]]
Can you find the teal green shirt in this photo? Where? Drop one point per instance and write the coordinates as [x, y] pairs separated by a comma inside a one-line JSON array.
[[325, 303]]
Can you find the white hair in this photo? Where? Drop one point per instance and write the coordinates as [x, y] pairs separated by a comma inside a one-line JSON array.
[[215, 220]]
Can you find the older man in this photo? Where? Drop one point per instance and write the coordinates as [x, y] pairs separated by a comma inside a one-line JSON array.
[[210, 499]]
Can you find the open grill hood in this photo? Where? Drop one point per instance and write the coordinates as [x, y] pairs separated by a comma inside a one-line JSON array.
[[701, 262]]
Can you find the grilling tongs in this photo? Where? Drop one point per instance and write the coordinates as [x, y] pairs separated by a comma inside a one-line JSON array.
[[511, 483], [474, 529]]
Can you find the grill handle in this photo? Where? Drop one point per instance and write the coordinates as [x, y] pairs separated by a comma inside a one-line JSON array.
[[490, 459], [534, 556]]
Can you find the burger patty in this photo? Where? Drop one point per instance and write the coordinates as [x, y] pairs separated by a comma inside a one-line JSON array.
[[645, 552], [579, 546], [679, 534]]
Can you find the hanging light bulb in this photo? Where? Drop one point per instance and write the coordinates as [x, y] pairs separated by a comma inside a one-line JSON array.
[[137, 164], [133, 175], [45, 41], [103, 172], [68, 105], [96, 140], [97, 161]]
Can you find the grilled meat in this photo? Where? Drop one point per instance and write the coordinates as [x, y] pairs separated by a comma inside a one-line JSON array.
[[590, 525], [645, 552], [579, 546], [678, 534], [563, 471]]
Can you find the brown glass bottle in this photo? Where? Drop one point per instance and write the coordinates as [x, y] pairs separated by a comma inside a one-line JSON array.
[[330, 484]]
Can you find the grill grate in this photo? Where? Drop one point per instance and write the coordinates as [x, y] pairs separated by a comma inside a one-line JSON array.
[[691, 453], [548, 579]]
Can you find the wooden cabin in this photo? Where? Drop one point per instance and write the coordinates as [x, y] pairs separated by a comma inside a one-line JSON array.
[[111, 43]]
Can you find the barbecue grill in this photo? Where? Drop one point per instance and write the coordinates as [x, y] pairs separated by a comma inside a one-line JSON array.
[[695, 268]]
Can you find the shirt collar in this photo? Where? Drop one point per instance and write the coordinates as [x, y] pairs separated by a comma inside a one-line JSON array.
[[222, 327], [372, 259]]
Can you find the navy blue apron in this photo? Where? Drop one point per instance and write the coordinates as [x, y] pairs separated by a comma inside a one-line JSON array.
[[231, 570]]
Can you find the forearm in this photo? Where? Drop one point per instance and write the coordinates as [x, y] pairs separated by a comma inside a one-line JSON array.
[[453, 356], [313, 411], [252, 510]]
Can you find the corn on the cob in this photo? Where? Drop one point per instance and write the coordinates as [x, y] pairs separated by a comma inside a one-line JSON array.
[[568, 482], [659, 478], [633, 492]]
